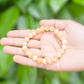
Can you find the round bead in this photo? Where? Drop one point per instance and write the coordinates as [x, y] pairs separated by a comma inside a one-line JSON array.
[[55, 58], [24, 43], [34, 33], [63, 46], [45, 61], [62, 38], [30, 35], [50, 60], [30, 55], [62, 51], [64, 42], [39, 60], [47, 28], [42, 28], [38, 30], [59, 34], [35, 58], [26, 39], [52, 28], [27, 52], [58, 54], [56, 31], [24, 48]]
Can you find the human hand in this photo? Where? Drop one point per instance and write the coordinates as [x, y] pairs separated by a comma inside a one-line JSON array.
[[47, 44]]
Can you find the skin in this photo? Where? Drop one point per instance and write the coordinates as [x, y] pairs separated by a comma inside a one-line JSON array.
[[46, 45]]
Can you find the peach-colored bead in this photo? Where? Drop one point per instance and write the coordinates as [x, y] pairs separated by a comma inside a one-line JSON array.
[[62, 38], [34, 33], [64, 42], [27, 52], [42, 28], [59, 34], [30, 55], [52, 28], [45, 61], [39, 60], [26, 39], [62, 51], [56, 31], [30, 35], [38, 30], [24, 43], [24, 48], [55, 58], [63, 46], [47, 28], [35, 58], [58, 54], [50, 60]]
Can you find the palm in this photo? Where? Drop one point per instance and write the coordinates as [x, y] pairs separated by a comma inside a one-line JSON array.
[[49, 44]]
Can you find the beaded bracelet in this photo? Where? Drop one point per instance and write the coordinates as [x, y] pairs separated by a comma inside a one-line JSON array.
[[39, 59]]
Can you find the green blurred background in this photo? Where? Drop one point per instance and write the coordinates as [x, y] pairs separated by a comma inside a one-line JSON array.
[[26, 14]]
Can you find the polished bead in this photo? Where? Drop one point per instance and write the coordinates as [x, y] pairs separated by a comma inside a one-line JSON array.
[[47, 28], [52, 28], [58, 54], [39, 60], [62, 38], [62, 51], [27, 52], [34, 33], [30, 55], [24, 43], [38, 30], [55, 58], [24, 48], [26, 39], [59, 34], [30, 35], [35, 58], [63, 46], [50, 60], [45, 61], [56, 31], [42, 28], [64, 42]]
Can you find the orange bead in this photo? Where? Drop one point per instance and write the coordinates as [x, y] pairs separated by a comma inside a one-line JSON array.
[[55, 58], [24, 48], [50, 60], [39, 60], [35, 58], [24, 43], [56, 31], [62, 38], [52, 28], [26, 39], [42, 28], [63, 46], [30, 55], [45, 61], [30, 35], [62, 51], [58, 54], [34, 33], [59, 34], [47, 28], [38, 30]]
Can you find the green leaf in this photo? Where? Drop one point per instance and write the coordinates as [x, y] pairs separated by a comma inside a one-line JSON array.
[[27, 75], [33, 10], [8, 82], [5, 61], [22, 22], [64, 14], [78, 12], [8, 20], [80, 2], [56, 5], [22, 4]]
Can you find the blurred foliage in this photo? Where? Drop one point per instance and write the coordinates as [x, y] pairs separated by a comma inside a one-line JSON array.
[[26, 14]]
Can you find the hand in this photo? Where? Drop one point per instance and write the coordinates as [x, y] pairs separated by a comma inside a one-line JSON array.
[[47, 44]]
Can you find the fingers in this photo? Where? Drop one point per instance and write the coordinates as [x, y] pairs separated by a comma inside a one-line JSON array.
[[22, 34], [18, 51], [19, 41], [29, 62], [61, 24]]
